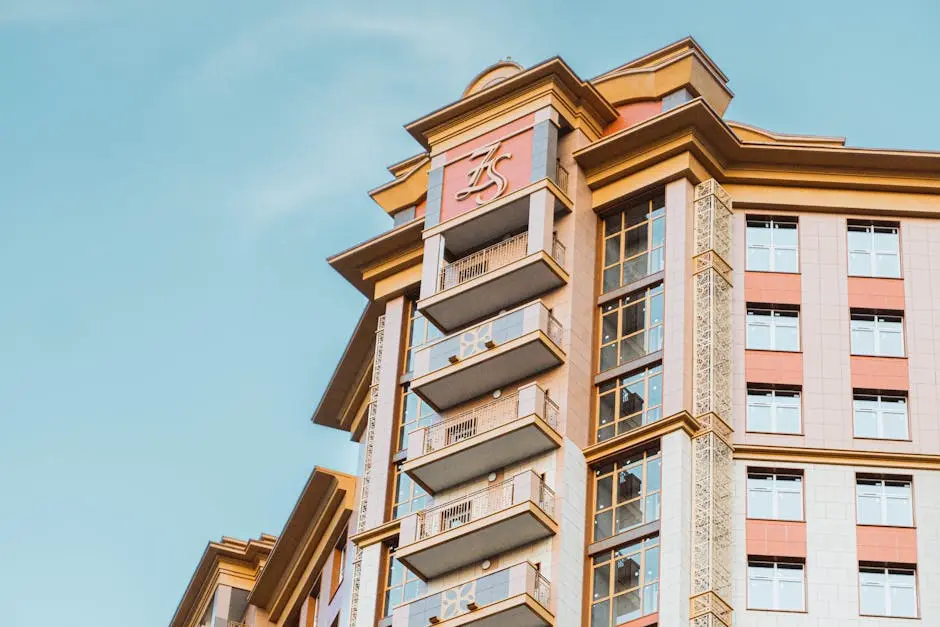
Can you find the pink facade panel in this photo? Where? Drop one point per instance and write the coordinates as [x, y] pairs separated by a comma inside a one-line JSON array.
[[872, 293], [777, 367], [772, 287], [776, 538], [879, 373], [897, 545]]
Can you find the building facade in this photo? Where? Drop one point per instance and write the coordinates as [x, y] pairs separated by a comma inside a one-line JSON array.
[[625, 362]]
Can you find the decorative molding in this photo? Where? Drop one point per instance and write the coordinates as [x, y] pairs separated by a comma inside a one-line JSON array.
[[836, 457], [382, 533], [602, 451]]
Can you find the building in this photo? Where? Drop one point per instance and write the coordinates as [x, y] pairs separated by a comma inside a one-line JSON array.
[[626, 363]]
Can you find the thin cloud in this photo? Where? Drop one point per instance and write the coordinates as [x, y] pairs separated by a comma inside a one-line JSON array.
[[36, 12]]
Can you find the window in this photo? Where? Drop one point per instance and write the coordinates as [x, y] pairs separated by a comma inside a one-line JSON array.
[[420, 332], [415, 414], [772, 244], [631, 327], [409, 497], [876, 334], [629, 402], [339, 565], [887, 591], [633, 243], [401, 585], [873, 250], [626, 493], [773, 329], [775, 586], [775, 495], [625, 583], [884, 501], [773, 410], [880, 416]]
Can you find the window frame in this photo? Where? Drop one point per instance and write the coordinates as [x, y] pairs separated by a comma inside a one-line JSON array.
[[655, 219], [878, 320], [775, 492], [615, 387], [870, 228], [753, 562], [644, 459], [643, 547], [878, 488], [616, 308], [387, 587], [772, 313], [413, 341], [413, 495], [426, 416], [756, 390], [887, 571], [773, 223], [880, 411]]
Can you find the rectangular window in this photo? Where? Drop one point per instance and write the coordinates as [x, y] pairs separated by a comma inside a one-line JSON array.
[[773, 410], [415, 414], [633, 243], [772, 244], [877, 334], [884, 501], [887, 591], [631, 327], [775, 495], [629, 402], [874, 249], [626, 493], [401, 585], [420, 332], [625, 583], [880, 416], [775, 586], [409, 496], [773, 329]]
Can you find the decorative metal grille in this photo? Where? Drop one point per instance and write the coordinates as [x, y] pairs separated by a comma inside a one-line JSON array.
[[436, 520], [556, 332], [479, 263], [711, 448]]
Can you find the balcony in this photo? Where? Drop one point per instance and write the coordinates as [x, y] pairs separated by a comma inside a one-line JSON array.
[[499, 276], [467, 530], [485, 438], [518, 595], [504, 349]]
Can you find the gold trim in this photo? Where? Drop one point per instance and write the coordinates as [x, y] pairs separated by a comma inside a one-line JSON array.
[[836, 457], [382, 533], [647, 433]]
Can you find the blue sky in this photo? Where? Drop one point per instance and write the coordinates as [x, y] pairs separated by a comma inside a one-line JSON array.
[[173, 174]]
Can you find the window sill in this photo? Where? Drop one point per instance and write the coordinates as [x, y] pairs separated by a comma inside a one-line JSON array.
[[872, 276], [773, 271], [870, 439], [629, 288], [617, 371], [887, 526], [888, 616], [772, 350], [798, 434], [783, 520], [766, 609], [878, 356]]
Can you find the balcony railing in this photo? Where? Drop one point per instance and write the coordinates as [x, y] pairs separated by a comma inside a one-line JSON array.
[[492, 499], [558, 252], [481, 419], [561, 177]]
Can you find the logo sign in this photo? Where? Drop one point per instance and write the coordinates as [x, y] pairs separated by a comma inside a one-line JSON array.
[[476, 183]]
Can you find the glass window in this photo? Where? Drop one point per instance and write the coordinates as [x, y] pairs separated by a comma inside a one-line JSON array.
[[773, 411], [884, 502], [409, 496], [772, 244], [420, 332], [874, 334], [625, 583], [633, 243], [773, 329], [873, 250], [631, 327], [887, 592], [626, 493], [880, 416], [629, 402], [775, 586], [401, 585], [415, 414], [775, 495]]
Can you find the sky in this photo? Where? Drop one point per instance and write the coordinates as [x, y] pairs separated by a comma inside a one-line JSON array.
[[173, 174]]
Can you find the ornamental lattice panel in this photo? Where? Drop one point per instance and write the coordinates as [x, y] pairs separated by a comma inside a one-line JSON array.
[[711, 447]]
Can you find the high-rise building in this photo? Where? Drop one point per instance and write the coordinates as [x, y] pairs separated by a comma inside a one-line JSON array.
[[624, 363]]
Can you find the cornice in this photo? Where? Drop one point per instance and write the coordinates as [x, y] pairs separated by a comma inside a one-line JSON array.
[[382, 533], [602, 451], [837, 457], [352, 262], [407, 189]]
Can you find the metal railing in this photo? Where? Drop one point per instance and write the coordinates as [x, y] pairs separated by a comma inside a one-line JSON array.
[[555, 331], [558, 251], [561, 177], [551, 412], [235, 623], [546, 499], [479, 263], [543, 590]]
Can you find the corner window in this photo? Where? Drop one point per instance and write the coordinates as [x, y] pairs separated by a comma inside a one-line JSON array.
[[626, 493], [420, 332], [409, 496], [880, 416], [884, 501], [773, 410], [887, 592], [625, 583], [773, 329], [877, 334], [633, 243], [772, 244], [629, 402], [415, 414], [775, 586], [401, 585], [631, 327], [874, 249], [775, 495]]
